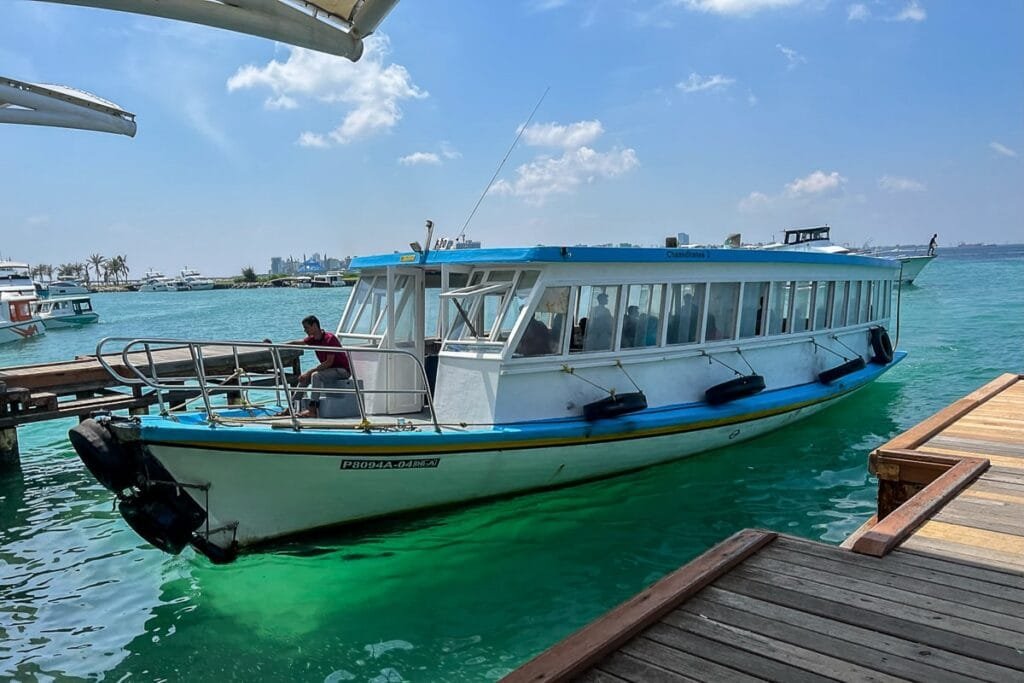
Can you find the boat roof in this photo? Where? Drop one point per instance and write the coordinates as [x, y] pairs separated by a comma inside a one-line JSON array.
[[44, 104], [544, 254]]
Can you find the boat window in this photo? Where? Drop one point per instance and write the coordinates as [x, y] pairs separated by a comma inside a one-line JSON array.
[[520, 295], [686, 309], [477, 307], [544, 332], [372, 308], [778, 307], [752, 309], [405, 311], [887, 299], [821, 294], [594, 322], [723, 304], [853, 302], [642, 322], [865, 301], [839, 304], [802, 306]]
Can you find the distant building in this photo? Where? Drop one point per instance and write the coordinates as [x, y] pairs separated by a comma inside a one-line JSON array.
[[276, 265], [682, 238]]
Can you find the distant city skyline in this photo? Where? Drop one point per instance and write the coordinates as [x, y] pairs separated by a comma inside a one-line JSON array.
[[889, 120]]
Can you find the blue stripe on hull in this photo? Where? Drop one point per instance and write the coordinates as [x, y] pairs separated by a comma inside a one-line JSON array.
[[191, 431]]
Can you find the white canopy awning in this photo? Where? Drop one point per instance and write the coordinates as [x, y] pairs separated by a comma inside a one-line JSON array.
[[336, 27], [58, 105]]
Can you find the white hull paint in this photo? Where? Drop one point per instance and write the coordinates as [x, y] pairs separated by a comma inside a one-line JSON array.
[[247, 487], [20, 331], [69, 320], [912, 267]]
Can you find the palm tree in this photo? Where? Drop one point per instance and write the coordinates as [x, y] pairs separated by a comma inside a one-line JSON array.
[[66, 270], [123, 261], [97, 262], [48, 269]]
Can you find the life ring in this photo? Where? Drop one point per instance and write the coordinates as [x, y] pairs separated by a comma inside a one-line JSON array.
[[102, 455], [832, 374], [613, 406], [740, 387], [164, 517], [881, 345]]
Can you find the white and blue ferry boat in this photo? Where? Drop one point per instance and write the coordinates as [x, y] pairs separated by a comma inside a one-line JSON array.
[[486, 372]]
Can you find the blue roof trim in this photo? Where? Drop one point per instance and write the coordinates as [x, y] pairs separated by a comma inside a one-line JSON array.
[[616, 255], [190, 427]]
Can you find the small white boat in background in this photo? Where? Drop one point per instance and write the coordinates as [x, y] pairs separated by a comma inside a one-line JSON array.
[[155, 281], [332, 279], [17, 294], [191, 280], [66, 287], [71, 311], [302, 282]]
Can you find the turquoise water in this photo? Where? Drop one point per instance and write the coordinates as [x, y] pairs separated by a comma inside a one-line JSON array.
[[462, 595]]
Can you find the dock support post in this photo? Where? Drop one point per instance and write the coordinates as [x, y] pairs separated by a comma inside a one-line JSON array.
[[234, 397], [138, 410], [9, 453]]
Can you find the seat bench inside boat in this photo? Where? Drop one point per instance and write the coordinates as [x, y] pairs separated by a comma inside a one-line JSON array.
[[340, 405]]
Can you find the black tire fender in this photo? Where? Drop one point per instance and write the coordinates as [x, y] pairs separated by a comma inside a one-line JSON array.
[[102, 455], [881, 345], [736, 388], [613, 406], [832, 374]]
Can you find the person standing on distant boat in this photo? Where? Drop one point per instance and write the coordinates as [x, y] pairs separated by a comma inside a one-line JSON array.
[[333, 365], [933, 244]]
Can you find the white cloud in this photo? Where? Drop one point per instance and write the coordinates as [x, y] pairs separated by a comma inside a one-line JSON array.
[[898, 184], [546, 5], [754, 202], [449, 152], [815, 183], [1002, 149], [912, 12], [420, 159], [369, 90], [568, 137], [739, 8], [308, 139], [793, 57], [579, 164], [697, 83], [857, 12], [752, 99]]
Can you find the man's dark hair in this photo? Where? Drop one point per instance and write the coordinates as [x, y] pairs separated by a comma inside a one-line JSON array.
[[311, 320]]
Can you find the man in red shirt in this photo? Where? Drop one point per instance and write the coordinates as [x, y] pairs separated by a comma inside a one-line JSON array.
[[333, 365]]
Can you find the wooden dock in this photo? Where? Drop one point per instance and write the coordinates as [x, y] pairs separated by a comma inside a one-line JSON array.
[[930, 589], [79, 387]]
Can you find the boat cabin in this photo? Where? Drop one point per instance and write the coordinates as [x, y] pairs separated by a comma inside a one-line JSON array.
[[66, 306], [500, 332], [802, 235]]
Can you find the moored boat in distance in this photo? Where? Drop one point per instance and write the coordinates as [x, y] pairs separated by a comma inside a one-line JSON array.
[[545, 366], [71, 311], [65, 288], [17, 295], [192, 280], [155, 281], [333, 278]]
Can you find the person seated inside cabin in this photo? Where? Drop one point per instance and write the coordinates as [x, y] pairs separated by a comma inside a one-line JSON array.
[[631, 327], [598, 336], [579, 333], [684, 323], [649, 324], [536, 340], [333, 366]]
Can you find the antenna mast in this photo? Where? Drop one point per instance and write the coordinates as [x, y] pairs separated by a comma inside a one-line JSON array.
[[507, 155]]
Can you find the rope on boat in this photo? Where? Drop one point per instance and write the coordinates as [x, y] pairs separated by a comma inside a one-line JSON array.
[[840, 342], [618, 363], [822, 346], [712, 358], [572, 371], [740, 353]]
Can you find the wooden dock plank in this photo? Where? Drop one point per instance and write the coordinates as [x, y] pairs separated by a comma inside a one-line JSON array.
[[757, 663], [625, 667], [985, 514], [682, 662], [895, 655], [962, 636], [894, 595], [954, 589]]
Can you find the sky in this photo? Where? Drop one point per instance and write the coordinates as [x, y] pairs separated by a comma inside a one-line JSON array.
[[889, 120]]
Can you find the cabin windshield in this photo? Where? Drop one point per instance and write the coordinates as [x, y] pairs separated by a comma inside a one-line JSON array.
[[365, 322], [488, 308]]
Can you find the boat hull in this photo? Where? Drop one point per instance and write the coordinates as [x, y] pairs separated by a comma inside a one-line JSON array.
[[335, 477], [70, 320], [912, 267], [19, 331]]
